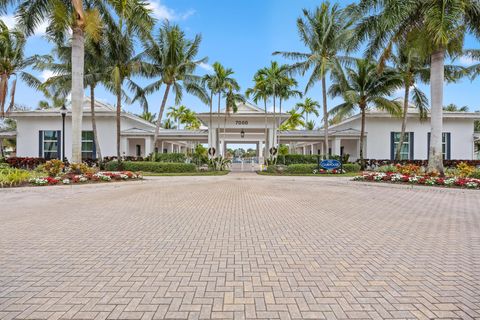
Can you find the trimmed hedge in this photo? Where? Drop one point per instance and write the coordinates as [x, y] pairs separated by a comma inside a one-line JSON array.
[[351, 167], [301, 168], [169, 157], [157, 167], [290, 159]]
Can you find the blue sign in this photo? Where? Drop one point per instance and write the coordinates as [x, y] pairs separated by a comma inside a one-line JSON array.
[[330, 164]]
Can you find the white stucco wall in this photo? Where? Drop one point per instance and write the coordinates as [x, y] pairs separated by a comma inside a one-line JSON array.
[[379, 129], [28, 133]]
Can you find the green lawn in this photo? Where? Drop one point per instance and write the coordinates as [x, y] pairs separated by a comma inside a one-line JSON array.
[[203, 173], [348, 174]]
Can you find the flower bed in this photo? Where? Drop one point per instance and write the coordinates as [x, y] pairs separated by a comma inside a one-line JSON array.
[[396, 177], [71, 178]]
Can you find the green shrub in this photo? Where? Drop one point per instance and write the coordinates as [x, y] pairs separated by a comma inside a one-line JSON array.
[[158, 167], [351, 167], [296, 159], [13, 177], [168, 157], [301, 168], [475, 174], [387, 168]]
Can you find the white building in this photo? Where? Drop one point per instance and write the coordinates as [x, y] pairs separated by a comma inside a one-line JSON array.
[[39, 134]]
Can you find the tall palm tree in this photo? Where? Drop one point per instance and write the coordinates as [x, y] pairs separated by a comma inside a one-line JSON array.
[[189, 119], [260, 91], [294, 121], [95, 65], [123, 65], [362, 87], [167, 124], [275, 78], [309, 106], [172, 59], [80, 17], [412, 69], [220, 82], [177, 114], [286, 91], [310, 125], [325, 32], [436, 28], [13, 64]]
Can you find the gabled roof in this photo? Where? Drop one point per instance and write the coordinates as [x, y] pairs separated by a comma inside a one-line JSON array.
[[101, 109]]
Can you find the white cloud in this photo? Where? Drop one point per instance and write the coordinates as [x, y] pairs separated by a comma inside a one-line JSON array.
[[10, 22], [205, 66], [467, 61], [162, 12], [46, 74]]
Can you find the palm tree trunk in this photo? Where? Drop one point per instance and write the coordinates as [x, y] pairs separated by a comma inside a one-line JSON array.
[[78, 53], [119, 110], [325, 116], [217, 133], [94, 123], [435, 160], [3, 93], [266, 132], [275, 127], [362, 138], [160, 114], [210, 127], [12, 95], [404, 121]]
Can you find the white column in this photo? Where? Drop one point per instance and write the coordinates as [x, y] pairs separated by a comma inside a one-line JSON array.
[[171, 148], [311, 148], [148, 144], [161, 148], [336, 146], [124, 147]]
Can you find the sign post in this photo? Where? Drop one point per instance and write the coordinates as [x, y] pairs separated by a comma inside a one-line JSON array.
[[330, 164]]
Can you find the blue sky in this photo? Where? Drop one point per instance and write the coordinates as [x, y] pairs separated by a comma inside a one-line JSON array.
[[241, 35]]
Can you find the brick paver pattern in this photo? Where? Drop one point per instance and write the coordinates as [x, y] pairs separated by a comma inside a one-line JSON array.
[[240, 246]]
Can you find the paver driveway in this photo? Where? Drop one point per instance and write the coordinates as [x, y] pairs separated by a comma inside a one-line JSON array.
[[239, 246]]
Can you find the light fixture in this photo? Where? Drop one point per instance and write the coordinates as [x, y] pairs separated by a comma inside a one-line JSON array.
[[63, 110], [242, 134]]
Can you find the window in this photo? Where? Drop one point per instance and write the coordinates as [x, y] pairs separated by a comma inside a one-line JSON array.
[[446, 145], [138, 150], [406, 153], [88, 145], [50, 147]]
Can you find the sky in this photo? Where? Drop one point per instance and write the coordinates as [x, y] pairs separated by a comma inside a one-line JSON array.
[[241, 35]]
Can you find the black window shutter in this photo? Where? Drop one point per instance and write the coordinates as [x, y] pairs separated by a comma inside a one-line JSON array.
[[40, 143], [411, 146], [392, 145], [428, 145], [449, 141], [59, 144]]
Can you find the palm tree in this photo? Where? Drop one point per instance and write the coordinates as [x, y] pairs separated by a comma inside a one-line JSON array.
[[148, 116], [260, 91], [123, 65], [454, 108], [95, 65], [189, 119], [81, 18], [167, 124], [325, 32], [13, 64], [220, 82], [294, 121], [412, 69], [172, 58], [177, 114], [310, 125], [286, 91], [309, 106], [275, 78], [436, 28], [362, 87]]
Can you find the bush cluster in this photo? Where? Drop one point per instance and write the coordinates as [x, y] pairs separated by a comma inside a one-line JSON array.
[[168, 157], [301, 168], [148, 166]]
